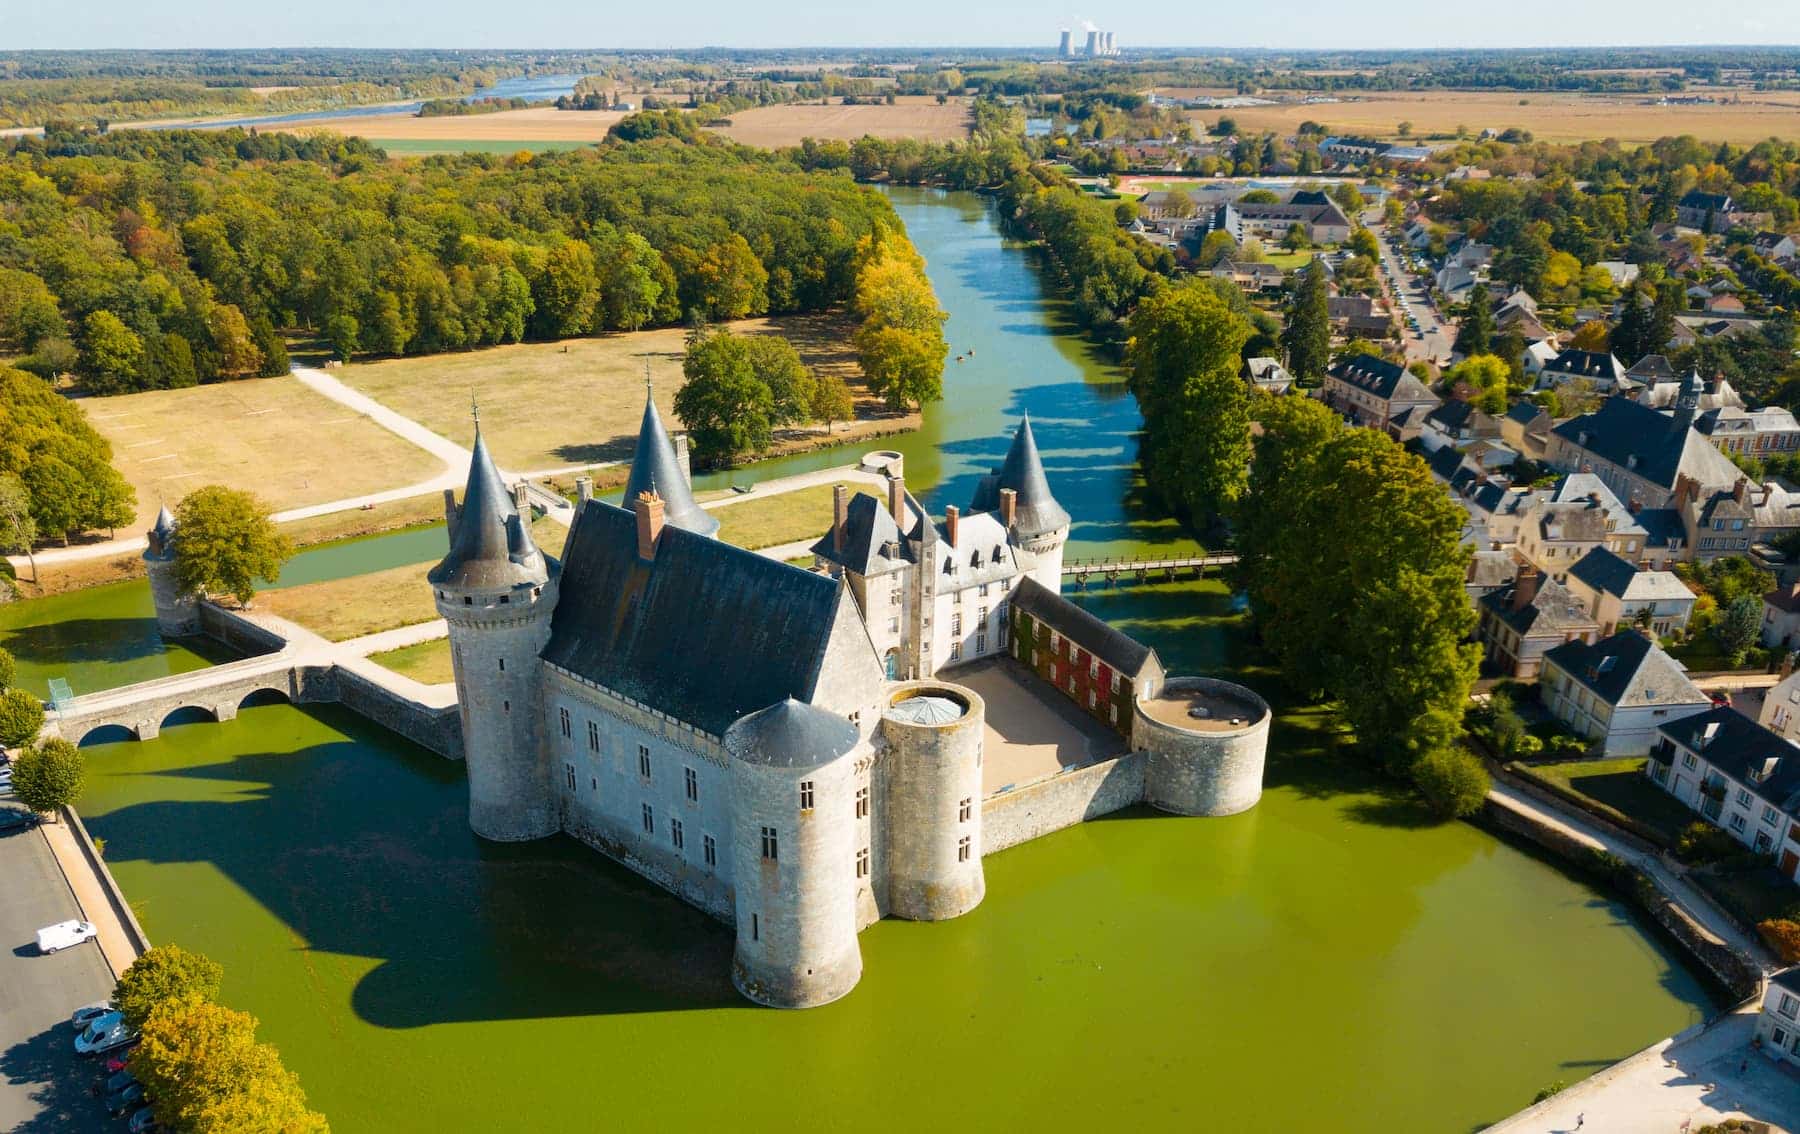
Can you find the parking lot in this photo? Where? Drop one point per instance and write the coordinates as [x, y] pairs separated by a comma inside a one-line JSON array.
[[1436, 336], [43, 1084]]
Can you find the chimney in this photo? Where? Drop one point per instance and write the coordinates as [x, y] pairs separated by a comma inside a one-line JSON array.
[[681, 458], [840, 516], [1787, 665], [584, 488], [522, 500], [451, 511], [951, 516], [1525, 587], [1009, 507], [897, 499], [1635, 504], [649, 509], [1738, 489]]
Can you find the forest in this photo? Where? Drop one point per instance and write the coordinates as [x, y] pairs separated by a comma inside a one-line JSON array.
[[141, 260]]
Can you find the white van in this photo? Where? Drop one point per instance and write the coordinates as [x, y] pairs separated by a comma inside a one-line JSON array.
[[63, 934]]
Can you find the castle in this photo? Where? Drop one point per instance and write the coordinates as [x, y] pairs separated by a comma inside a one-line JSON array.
[[779, 746]]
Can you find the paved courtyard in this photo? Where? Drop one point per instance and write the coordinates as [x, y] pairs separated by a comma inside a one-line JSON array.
[[43, 1085], [1031, 731]]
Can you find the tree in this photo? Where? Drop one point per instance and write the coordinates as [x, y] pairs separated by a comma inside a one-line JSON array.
[[235, 342], [9, 670], [730, 282], [1184, 360], [777, 365], [1363, 242], [725, 407], [49, 776], [632, 288], [227, 542], [1452, 781], [201, 1064], [1630, 340], [1307, 336], [1216, 248], [1476, 334], [21, 716], [1783, 936], [1738, 629], [568, 292], [341, 331], [1591, 335], [111, 353], [1487, 374], [832, 401], [165, 974], [18, 531]]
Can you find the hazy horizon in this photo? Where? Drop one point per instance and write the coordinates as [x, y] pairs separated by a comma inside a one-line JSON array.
[[1298, 25]]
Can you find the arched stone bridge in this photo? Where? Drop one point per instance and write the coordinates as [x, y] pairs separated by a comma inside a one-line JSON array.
[[217, 691]]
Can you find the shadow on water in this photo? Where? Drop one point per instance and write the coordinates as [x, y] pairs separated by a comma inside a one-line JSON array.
[[463, 929]]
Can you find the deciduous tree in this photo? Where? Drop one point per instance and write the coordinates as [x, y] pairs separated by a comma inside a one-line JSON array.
[[206, 1073], [48, 776], [832, 401], [162, 975], [1488, 375], [227, 542], [725, 407]]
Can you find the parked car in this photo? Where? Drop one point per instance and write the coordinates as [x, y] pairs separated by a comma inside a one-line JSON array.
[[115, 1062], [63, 934], [88, 1013], [123, 1100], [114, 1081], [119, 1038], [17, 819], [143, 1122], [100, 1034]]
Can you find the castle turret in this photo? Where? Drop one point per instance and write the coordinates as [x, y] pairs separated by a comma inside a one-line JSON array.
[[1037, 524], [497, 591], [794, 862], [932, 771], [1205, 741], [177, 609], [657, 467]]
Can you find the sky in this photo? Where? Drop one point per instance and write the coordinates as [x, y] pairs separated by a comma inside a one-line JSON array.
[[28, 24]]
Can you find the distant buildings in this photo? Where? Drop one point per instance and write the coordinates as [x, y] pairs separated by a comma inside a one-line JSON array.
[[1098, 43]]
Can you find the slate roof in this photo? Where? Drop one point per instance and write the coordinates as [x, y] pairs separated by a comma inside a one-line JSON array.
[[1742, 749], [1381, 378], [653, 467], [1036, 511], [791, 734], [1627, 671], [1663, 445], [1604, 571], [1586, 364], [705, 632], [490, 546], [1661, 525], [873, 544], [1525, 412], [1552, 611], [1114, 647], [1788, 979], [1695, 199], [1651, 368]]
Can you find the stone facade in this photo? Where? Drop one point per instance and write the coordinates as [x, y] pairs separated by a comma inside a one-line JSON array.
[[1191, 771]]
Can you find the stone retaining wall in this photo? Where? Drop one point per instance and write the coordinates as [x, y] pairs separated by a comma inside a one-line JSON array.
[[1729, 969], [134, 933], [238, 632], [1025, 813], [437, 729]]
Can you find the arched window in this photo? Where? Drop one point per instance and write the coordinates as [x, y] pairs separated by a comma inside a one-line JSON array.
[[893, 664]]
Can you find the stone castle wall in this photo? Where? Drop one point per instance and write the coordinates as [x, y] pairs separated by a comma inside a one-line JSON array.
[[1203, 773], [932, 779], [1037, 809]]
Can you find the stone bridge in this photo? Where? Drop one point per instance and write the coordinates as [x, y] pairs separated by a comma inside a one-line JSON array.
[[217, 691]]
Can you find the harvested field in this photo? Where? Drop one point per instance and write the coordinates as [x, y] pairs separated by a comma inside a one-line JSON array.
[[1550, 117], [271, 436], [537, 124], [361, 604], [915, 116], [578, 402]]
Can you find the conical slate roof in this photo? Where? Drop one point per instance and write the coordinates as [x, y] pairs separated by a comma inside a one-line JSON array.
[[491, 546], [1037, 512], [790, 734], [162, 535], [653, 468]]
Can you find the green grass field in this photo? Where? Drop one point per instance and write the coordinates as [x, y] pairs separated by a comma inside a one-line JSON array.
[[1622, 786], [427, 662]]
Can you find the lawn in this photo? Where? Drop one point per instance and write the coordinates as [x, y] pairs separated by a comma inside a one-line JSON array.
[[427, 662], [578, 402], [342, 609], [1753, 895], [271, 436], [1622, 786], [802, 514]]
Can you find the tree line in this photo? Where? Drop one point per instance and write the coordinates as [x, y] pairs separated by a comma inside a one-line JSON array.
[[172, 258], [56, 474]]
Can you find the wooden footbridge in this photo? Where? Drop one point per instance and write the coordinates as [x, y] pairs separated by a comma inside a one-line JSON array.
[[1146, 569]]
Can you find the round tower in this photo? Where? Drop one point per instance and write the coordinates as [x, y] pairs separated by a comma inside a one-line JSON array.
[[1019, 493], [497, 591], [932, 800], [177, 609], [1205, 741], [794, 861]]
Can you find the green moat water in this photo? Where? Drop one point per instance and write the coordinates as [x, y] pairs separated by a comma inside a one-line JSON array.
[[1328, 961]]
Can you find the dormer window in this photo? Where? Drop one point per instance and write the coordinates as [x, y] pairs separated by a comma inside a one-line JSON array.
[[975, 560]]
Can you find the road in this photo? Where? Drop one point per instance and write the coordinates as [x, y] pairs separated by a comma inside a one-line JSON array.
[[1439, 335], [43, 1085]]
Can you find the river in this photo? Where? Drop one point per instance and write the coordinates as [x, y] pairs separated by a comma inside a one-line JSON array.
[[1328, 961]]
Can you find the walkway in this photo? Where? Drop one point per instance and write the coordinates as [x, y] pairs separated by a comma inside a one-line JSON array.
[[90, 894]]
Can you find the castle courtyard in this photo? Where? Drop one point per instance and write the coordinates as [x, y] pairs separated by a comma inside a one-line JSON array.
[[1032, 732]]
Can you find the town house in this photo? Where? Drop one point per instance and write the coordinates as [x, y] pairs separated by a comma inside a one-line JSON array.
[[1740, 777]]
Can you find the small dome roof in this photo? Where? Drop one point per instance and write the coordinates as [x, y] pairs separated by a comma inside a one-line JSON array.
[[791, 734], [926, 709]]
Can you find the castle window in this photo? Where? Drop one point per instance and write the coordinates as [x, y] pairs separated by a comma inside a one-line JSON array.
[[755, 928], [983, 592], [693, 784], [962, 849], [956, 621], [505, 599], [1071, 685], [506, 706], [771, 843], [644, 761], [862, 803], [1115, 714], [675, 835], [649, 820], [975, 559], [806, 795], [956, 597], [955, 650], [862, 863], [502, 665], [710, 849], [894, 596], [468, 600], [981, 642], [1092, 699], [593, 737], [570, 770], [893, 626], [964, 810], [567, 728]]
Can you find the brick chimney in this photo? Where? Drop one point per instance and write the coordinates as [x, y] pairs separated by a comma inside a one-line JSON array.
[[1009, 507], [1525, 588], [840, 516], [897, 500], [451, 512], [951, 516], [1787, 665], [1740, 488], [649, 509], [1635, 504], [584, 488]]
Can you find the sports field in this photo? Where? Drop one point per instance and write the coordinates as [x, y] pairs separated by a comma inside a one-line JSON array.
[[577, 402], [271, 436], [1549, 117]]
